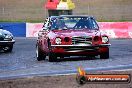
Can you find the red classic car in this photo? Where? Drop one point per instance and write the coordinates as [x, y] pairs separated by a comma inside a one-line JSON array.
[[70, 35]]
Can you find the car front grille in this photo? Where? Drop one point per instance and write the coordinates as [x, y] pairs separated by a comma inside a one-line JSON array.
[[82, 40], [1, 39], [80, 49]]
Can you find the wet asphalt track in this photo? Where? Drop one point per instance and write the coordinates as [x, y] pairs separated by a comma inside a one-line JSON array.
[[22, 60]]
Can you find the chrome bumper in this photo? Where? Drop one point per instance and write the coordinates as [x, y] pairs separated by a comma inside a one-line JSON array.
[[81, 45], [7, 42]]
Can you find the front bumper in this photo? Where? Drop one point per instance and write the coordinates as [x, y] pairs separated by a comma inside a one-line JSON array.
[[4, 43], [82, 45], [82, 48]]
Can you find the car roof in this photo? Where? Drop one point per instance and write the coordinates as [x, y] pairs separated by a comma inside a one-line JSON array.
[[76, 16], [53, 16], [81, 16], [72, 16]]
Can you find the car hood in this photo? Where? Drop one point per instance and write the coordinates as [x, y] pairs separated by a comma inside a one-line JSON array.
[[71, 33]]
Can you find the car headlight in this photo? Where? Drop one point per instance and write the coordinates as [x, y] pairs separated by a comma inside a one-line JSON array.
[[58, 40], [105, 39], [8, 37]]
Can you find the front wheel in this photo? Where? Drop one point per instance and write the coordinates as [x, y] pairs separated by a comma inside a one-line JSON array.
[[104, 55], [8, 48], [52, 57], [39, 54]]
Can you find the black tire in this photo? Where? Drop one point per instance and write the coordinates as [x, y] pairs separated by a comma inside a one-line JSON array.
[[8, 48], [105, 55], [39, 54], [52, 57]]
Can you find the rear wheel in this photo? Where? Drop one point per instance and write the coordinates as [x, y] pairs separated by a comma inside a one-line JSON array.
[[39, 54], [8, 48], [105, 55]]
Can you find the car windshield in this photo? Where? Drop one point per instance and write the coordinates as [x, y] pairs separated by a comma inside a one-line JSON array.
[[75, 23]]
